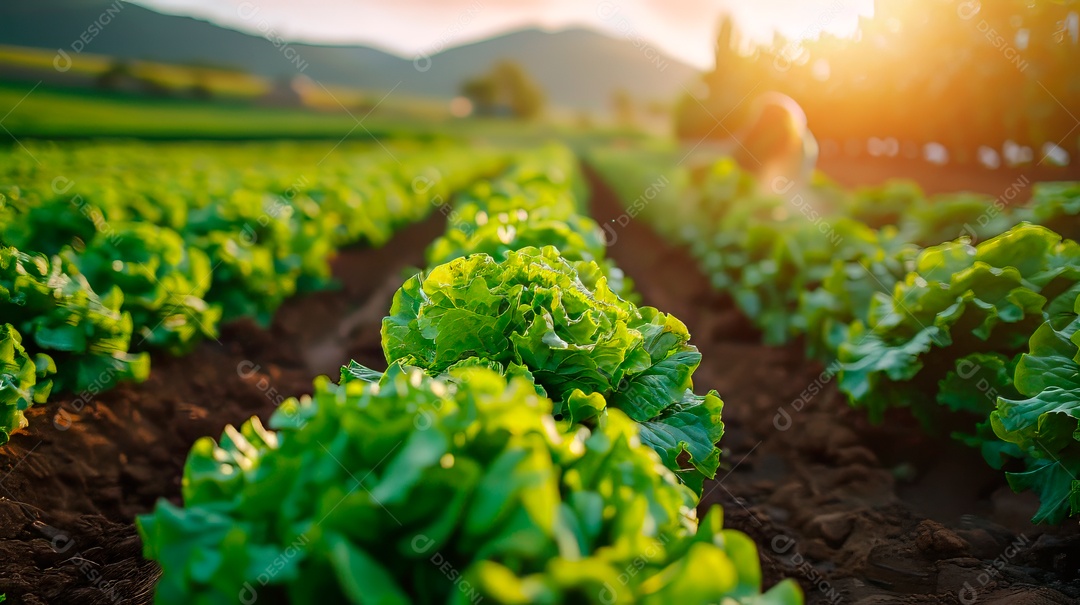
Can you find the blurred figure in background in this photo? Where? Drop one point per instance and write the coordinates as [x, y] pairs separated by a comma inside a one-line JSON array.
[[770, 140], [776, 144]]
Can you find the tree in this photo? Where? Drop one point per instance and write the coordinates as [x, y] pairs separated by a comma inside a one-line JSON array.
[[505, 90], [116, 75], [481, 91]]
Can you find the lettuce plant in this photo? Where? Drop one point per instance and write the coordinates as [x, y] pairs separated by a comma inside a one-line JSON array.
[[526, 208], [164, 282], [845, 292], [413, 490], [958, 301], [1044, 420], [944, 218], [23, 381], [61, 315], [160, 247], [584, 346], [784, 260], [1056, 206]]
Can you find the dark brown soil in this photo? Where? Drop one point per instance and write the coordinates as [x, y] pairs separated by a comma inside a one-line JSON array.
[[71, 485], [856, 513]]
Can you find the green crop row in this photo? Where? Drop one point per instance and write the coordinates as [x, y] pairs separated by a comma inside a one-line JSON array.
[[551, 313], [919, 302], [535, 439], [108, 251]]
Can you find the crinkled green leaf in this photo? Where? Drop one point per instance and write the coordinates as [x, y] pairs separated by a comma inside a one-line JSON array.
[[691, 425], [531, 309], [413, 489], [960, 300], [1053, 481]]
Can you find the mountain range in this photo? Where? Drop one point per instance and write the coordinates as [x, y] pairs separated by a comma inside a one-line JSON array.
[[577, 68]]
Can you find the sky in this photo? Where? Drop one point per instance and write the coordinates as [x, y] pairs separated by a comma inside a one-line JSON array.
[[684, 29]]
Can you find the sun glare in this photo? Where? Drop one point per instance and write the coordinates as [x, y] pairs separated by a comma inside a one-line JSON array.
[[799, 19]]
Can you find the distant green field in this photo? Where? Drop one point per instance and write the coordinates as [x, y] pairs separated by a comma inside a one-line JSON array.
[[75, 113], [59, 113]]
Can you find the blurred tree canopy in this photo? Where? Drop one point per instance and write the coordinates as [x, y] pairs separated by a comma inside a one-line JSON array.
[[961, 73], [505, 90]]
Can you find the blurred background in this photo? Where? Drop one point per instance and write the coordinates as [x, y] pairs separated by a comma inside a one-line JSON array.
[[888, 88]]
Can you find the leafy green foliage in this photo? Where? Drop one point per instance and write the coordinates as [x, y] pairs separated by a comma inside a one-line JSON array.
[[585, 347], [767, 245], [782, 262], [23, 381], [1044, 420], [939, 330], [1057, 206], [885, 205], [497, 217], [143, 246], [268, 216], [459, 480], [959, 300], [973, 386], [533, 204], [845, 292], [414, 490], [800, 260], [88, 337], [766, 249], [944, 218], [164, 282]]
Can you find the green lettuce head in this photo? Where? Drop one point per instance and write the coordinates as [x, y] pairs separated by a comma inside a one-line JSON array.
[[584, 347]]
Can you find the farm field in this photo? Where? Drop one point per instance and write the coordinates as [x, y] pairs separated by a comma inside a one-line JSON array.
[[847, 508], [613, 303]]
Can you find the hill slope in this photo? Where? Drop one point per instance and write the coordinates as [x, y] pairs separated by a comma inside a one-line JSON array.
[[577, 68]]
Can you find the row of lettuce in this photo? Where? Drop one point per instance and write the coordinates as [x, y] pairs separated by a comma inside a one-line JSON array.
[[535, 439], [111, 251], [961, 307]]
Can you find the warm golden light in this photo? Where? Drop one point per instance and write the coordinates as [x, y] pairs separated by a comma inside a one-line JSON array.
[[798, 19]]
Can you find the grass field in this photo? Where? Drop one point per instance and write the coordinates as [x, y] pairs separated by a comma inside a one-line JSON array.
[[48, 112]]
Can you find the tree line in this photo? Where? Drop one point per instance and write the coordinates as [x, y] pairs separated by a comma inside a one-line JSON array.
[[963, 74]]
